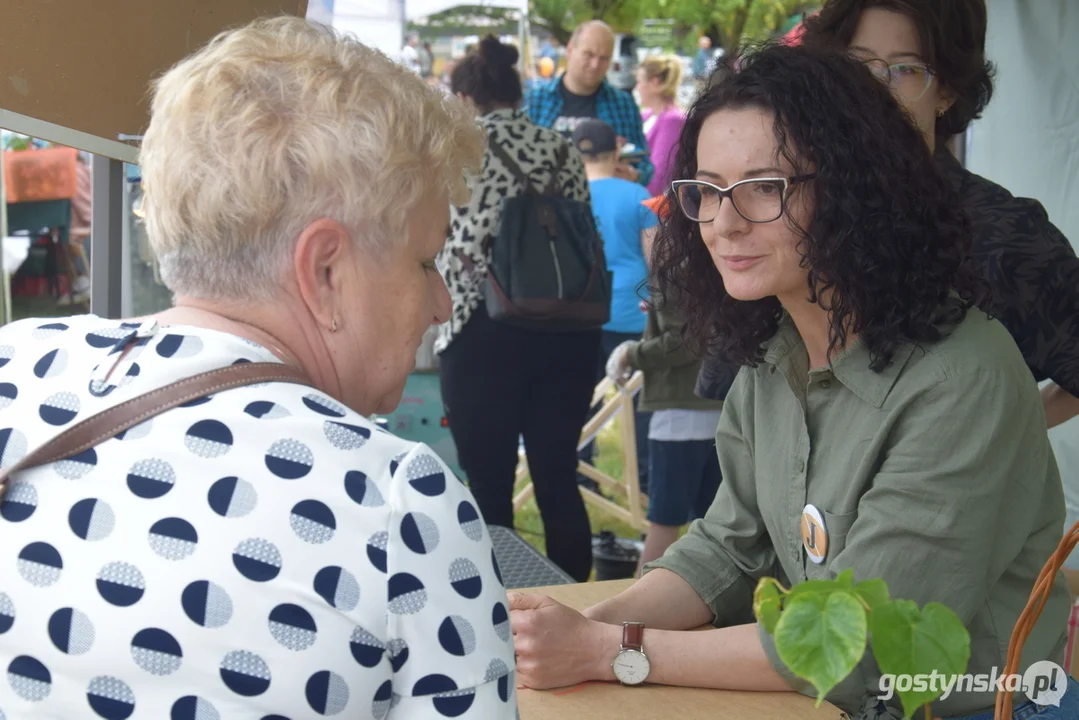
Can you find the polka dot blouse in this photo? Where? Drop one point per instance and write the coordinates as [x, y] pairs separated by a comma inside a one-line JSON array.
[[262, 553]]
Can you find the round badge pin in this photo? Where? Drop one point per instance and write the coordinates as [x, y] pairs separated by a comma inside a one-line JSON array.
[[814, 534]]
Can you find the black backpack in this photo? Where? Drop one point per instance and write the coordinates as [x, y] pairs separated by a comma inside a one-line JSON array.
[[547, 270]]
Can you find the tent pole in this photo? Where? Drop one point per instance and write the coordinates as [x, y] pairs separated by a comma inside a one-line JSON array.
[[5, 280], [526, 41]]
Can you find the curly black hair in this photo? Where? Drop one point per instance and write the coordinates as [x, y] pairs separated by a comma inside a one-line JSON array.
[[952, 36], [487, 75], [887, 243]]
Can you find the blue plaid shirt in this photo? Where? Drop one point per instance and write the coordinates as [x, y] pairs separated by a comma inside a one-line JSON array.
[[615, 107]]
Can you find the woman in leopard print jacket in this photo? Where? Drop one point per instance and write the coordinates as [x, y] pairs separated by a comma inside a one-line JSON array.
[[502, 383]]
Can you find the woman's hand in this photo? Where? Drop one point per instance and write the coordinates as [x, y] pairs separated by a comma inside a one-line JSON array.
[[556, 646], [618, 368]]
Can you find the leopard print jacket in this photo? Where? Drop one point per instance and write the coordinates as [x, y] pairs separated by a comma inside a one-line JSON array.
[[465, 258]]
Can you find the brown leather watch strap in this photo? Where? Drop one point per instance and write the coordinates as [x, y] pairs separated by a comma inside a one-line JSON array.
[[633, 636], [100, 427]]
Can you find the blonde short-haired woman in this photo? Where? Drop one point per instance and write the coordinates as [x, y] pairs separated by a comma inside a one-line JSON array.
[[265, 550], [658, 80]]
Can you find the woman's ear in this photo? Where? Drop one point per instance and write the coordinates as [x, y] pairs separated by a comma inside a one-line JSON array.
[[322, 255], [946, 98]]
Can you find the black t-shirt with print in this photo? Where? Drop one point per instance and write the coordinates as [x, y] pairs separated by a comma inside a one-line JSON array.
[[575, 108]]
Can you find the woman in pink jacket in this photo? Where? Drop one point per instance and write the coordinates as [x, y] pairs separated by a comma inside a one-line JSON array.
[[658, 78]]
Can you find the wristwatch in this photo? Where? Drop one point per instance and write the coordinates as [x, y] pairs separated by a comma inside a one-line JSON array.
[[631, 665]]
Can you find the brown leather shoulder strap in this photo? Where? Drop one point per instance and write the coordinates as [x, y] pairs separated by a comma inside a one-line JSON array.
[[100, 427]]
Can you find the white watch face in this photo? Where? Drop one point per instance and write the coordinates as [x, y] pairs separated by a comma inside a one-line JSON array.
[[631, 667]]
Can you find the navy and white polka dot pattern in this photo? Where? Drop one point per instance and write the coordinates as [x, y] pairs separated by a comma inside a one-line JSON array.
[[60, 408], [293, 627], [29, 678], [8, 393], [7, 613], [121, 584], [156, 651], [263, 552], [77, 466], [289, 459], [232, 497], [13, 447], [338, 587], [207, 604], [111, 698], [192, 707], [91, 519], [151, 479], [19, 502]]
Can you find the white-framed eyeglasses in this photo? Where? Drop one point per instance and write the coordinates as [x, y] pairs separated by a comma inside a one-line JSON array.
[[758, 200], [911, 80]]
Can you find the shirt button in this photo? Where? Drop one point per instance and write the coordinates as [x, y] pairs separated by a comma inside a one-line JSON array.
[[801, 465], [825, 384], [772, 369]]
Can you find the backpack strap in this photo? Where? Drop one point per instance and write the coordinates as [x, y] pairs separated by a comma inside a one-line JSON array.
[[513, 167], [559, 162]]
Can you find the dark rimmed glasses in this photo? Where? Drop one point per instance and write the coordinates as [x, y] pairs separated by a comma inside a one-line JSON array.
[[758, 200], [910, 80]]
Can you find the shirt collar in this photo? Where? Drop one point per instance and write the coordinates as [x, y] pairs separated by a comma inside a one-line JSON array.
[[602, 91], [851, 367]]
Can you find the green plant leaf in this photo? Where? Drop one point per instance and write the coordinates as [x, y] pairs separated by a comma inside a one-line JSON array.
[[846, 578], [907, 641], [821, 637], [767, 603], [816, 587], [873, 592]]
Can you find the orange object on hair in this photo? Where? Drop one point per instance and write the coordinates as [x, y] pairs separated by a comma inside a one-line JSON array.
[[659, 205]]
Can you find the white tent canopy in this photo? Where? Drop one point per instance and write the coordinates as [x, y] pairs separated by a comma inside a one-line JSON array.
[[416, 9]]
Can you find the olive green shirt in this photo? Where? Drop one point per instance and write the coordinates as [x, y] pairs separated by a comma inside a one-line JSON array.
[[935, 475]]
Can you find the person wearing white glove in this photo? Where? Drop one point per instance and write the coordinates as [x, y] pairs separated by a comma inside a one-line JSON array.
[[684, 469], [618, 367]]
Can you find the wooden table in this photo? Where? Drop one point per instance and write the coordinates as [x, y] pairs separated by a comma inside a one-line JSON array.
[[599, 701]]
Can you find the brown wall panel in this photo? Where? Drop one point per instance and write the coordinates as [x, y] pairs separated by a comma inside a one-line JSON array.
[[87, 64]]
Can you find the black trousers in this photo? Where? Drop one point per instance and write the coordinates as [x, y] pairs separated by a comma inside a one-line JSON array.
[[500, 383]]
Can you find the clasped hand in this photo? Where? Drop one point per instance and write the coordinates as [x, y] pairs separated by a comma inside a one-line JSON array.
[[557, 646]]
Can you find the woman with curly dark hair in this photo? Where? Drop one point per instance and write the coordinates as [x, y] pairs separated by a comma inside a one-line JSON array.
[[932, 55], [880, 422]]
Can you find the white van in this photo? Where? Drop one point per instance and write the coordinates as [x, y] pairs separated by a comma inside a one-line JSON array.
[[623, 71]]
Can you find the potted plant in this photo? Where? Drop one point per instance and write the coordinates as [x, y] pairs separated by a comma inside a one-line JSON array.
[[822, 627]]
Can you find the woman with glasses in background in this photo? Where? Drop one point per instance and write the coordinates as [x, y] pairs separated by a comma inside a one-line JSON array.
[[932, 56], [880, 422]]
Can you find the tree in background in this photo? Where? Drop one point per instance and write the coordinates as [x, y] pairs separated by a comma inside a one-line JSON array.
[[468, 20], [559, 17], [728, 22]]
